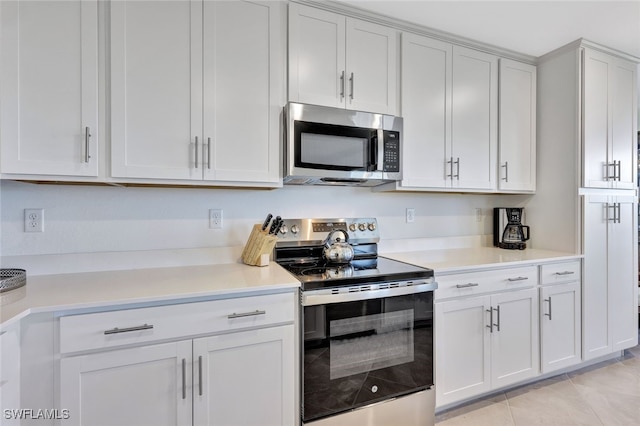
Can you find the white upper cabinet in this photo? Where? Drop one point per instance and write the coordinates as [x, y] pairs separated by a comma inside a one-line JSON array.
[[426, 111], [196, 90], [49, 77], [342, 62], [517, 131], [449, 105], [474, 117], [609, 121]]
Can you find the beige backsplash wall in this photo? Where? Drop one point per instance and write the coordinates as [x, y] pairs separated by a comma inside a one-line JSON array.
[[87, 219]]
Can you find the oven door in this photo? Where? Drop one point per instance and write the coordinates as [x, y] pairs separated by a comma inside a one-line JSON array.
[[359, 352]]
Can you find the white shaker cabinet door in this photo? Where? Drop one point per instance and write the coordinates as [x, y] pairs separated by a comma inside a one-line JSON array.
[[371, 67], [517, 132], [245, 378], [144, 386], [560, 331], [474, 119], [426, 110], [514, 337], [244, 48], [623, 273], [49, 78], [316, 56], [462, 349], [156, 89], [610, 121]]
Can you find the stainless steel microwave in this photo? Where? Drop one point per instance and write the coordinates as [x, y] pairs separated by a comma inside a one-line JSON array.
[[334, 146]]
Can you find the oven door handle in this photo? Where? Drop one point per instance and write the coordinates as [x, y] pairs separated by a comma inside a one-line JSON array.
[[323, 297]]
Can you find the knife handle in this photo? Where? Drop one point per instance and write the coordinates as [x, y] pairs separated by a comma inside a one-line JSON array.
[[266, 221], [274, 224]]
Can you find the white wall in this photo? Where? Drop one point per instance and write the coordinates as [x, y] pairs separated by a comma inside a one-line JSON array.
[[85, 219]]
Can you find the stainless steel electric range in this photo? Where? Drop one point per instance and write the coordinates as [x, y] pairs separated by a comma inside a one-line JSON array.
[[367, 327]]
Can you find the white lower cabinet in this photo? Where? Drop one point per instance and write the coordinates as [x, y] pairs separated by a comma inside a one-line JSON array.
[[485, 342], [244, 375], [9, 373], [560, 315]]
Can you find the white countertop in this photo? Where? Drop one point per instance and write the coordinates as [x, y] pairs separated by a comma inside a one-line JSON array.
[[449, 261], [86, 290]]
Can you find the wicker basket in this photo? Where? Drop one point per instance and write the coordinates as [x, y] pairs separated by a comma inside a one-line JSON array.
[[12, 278]]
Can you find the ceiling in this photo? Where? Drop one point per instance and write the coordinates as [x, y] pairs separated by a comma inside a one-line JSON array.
[[530, 27]]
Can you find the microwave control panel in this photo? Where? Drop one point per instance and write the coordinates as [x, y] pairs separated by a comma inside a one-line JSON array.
[[391, 161]]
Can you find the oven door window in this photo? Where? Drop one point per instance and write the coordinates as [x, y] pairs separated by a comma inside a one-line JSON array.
[[358, 353], [333, 147]]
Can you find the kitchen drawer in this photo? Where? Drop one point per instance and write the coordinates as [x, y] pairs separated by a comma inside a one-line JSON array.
[[473, 283], [136, 326], [560, 272]]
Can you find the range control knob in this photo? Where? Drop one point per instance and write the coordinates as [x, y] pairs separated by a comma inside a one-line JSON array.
[[362, 226], [294, 229], [352, 227], [372, 226], [284, 230]]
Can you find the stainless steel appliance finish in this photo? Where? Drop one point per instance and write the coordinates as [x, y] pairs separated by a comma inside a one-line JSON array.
[[367, 328], [335, 146]]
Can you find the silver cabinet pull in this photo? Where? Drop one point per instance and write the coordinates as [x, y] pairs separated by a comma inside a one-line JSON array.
[[197, 159], [117, 330], [342, 85], [87, 136], [549, 314], [518, 279], [498, 317], [490, 326], [506, 171], [208, 153], [565, 273], [246, 314], [450, 163], [467, 285], [184, 378], [457, 175], [616, 170], [351, 82], [200, 374], [616, 212]]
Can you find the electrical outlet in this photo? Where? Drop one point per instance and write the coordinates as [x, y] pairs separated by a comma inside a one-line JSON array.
[[33, 220], [215, 218], [411, 215]]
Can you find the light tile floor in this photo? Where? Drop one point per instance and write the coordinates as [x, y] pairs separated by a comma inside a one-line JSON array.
[[606, 394]]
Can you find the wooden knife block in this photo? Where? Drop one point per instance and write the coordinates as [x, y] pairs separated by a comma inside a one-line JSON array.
[[257, 251]]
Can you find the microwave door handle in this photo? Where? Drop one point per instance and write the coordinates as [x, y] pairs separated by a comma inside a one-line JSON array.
[[379, 150]]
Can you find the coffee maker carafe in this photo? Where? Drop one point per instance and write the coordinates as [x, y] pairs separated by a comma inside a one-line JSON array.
[[508, 230]]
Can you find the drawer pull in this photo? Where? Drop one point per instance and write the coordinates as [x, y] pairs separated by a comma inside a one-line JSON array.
[[565, 273], [467, 285], [128, 329], [518, 279], [246, 314], [200, 375], [184, 378]]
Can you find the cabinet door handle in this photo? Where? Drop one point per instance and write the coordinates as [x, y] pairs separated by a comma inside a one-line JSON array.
[[490, 326], [506, 171], [497, 325], [549, 314], [197, 158], [450, 163], [117, 330], [457, 175], [184, 378], [342, 85], [518, 279], [616, 212], [87, 136], [246, 314], [351, 81], [208, 153], [467, 285], [200, 374], [565, 273], [616, 170]]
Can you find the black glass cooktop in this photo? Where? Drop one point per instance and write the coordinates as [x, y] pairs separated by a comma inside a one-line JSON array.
[[317, 274]]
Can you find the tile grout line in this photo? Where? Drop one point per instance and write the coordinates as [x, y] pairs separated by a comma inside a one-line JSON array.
[[586, 401]]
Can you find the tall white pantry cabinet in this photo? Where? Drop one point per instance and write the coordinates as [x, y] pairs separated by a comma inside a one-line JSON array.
[[587, 198]]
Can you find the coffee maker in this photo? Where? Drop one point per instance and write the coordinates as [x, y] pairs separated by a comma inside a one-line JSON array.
[[508, 230]]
